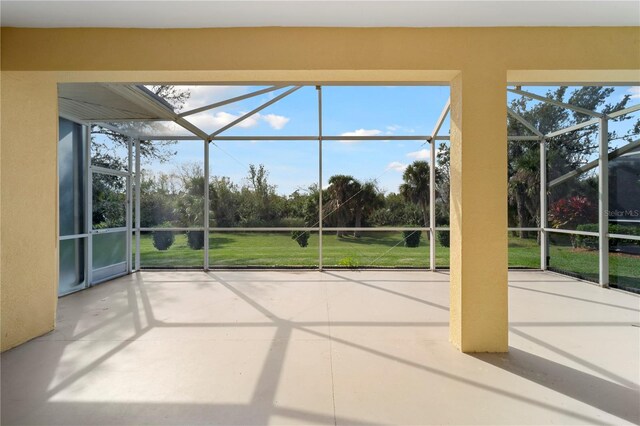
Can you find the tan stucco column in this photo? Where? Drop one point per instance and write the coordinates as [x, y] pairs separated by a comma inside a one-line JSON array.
[[29, 206], [478, 317]]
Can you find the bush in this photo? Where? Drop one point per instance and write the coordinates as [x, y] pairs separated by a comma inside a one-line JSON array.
[[411, 238], [591, 243], [569, 212], [195, 239], [444, 238], [301, 237], [162, 240], [349, 262]]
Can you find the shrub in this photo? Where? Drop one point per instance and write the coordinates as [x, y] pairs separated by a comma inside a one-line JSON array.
[[301, 237], [569, 212], [349, 262], [411, 238], [195, 239], [162, 240], [444, 238], [591, 243]]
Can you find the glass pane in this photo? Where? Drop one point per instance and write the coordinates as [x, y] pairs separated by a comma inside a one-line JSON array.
[[172, 187], [442, 249], [109, 149], [71, 179], [524, 250], [375, 183], [263, 184], [109, 201], [263, 249], [169, 249], [408, 249], [524, 184], [574, 255], [109, 249], [71, 265]]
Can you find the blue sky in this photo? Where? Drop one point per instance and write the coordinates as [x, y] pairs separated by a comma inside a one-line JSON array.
[[364, 110]]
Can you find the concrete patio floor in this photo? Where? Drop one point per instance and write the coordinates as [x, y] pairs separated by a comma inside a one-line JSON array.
[[368, 347]]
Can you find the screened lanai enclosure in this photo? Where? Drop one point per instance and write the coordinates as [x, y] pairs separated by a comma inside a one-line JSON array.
[[322, 177]]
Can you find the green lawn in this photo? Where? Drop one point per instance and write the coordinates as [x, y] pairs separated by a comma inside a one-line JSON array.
[[373, 249], [624, 269], [277, 249]]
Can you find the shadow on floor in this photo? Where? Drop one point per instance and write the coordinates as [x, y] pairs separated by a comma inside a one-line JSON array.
[[613, 398]]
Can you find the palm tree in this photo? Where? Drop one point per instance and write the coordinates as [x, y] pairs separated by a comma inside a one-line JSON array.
[[366, 200], [341, 190], [416, 186]]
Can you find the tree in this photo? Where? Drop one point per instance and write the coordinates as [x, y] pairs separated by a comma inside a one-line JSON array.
[[341, 190], [416, 186], [156, 200], [443, 184], [189, 201], [367, 199], [396, 211], [311, 206], [109, 191], [261, 205], [564, 153], [225, 201], [159, 150]]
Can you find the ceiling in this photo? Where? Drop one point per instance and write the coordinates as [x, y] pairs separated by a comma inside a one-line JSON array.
[[333, 13]]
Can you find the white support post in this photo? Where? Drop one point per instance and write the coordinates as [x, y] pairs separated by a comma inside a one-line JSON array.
[[603, 203], [432, 206], [129, 204], [137, 208], [320, 213], [89, 206], [206, 205], [544, 243]]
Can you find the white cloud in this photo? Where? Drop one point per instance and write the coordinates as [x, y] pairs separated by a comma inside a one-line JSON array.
[[635, 92], [211, 121], [422, 154], [397, 166], [360, 132], [206, 95], [398, 128], [223, 118], [275, 121]]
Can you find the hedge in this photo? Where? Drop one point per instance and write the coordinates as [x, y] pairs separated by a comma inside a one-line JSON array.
[[589, 242]]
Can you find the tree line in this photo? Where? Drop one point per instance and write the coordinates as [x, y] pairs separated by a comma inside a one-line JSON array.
[[177, 199]]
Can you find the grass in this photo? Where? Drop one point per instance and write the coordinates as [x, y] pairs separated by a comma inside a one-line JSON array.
[[624, 269], [372, 249], [277, 249]]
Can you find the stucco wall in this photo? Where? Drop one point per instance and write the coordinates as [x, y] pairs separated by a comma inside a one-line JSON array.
[[479, 62]]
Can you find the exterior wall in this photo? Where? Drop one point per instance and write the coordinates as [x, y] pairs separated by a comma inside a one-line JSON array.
[[35, 60]]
